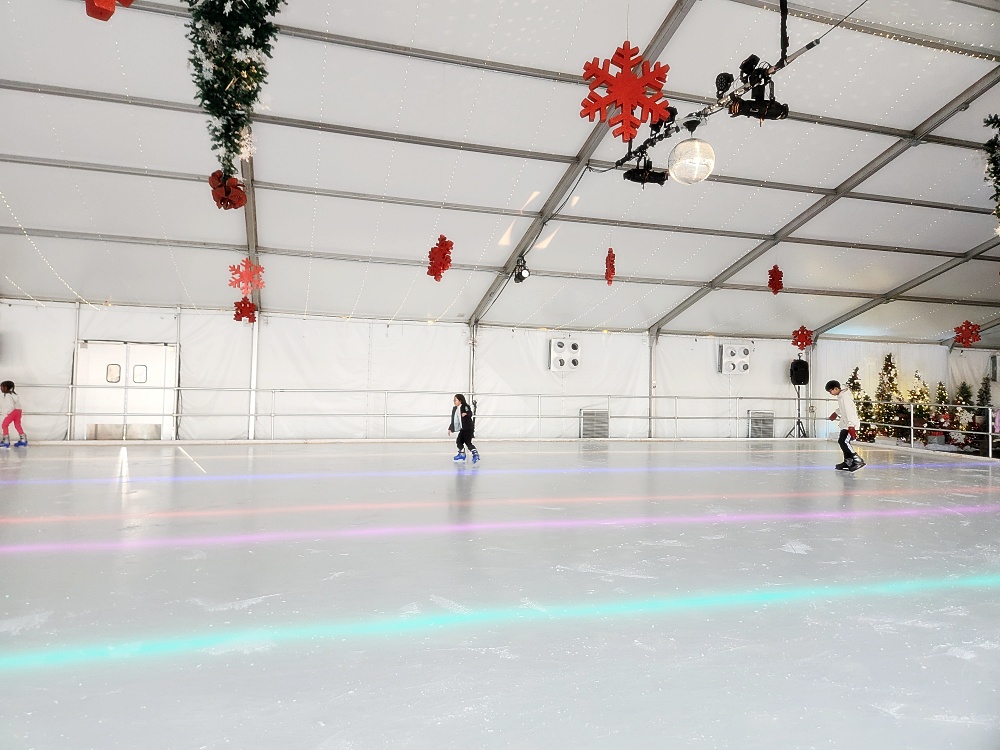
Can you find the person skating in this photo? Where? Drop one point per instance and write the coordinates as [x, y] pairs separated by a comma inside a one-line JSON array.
[[847, 412], [463, 422], [10, 407]]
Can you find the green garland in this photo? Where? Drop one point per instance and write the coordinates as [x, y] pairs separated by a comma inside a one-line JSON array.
[[230, 41], [992, 147]]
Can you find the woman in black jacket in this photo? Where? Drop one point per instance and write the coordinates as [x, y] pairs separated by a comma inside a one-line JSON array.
[[463, 423]]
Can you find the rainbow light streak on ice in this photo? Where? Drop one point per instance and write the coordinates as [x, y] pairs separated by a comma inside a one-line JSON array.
[[487, 526], [198, 478], [76, 655]]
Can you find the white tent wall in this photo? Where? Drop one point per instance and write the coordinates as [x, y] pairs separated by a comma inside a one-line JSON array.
[[517, 388], [690, 387], [970, 366], [36, 349], [332, 378], [835, 359]]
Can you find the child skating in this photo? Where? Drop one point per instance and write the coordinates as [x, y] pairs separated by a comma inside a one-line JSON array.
[[463, 422], [849, 425], [10, 407]]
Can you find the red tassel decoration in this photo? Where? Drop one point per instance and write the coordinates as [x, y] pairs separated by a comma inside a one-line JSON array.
[[609, 266], [774, 277]]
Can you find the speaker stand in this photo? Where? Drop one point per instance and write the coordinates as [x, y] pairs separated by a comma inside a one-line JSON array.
[[798, 429]]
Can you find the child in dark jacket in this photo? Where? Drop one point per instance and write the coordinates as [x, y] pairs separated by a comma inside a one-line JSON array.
[[463, 423]]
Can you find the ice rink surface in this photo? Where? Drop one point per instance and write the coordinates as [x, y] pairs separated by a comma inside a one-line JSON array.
[[556, 595]]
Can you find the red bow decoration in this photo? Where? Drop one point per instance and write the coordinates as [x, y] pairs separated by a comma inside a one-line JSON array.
[[609, 266], [802, 337], [228, 192], [440, 258], [626, 91], [245, 310], [774, 277], [102, 10], [967, 334]]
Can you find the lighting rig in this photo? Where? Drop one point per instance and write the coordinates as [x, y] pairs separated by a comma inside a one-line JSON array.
[[521, 271], [692, 160]]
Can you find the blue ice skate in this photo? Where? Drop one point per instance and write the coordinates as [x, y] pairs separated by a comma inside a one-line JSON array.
[[22, 443], [460, 456], [475, 457]]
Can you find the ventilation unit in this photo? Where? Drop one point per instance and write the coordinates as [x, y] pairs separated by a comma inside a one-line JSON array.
[[595, 423], [993, 367], [761, 424], [734, 358], [564, 354]]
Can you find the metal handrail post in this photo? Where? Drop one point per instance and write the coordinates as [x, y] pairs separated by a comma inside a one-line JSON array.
[[273, 396], [385, 415], [989, 431], [911, 425], [676, 423]]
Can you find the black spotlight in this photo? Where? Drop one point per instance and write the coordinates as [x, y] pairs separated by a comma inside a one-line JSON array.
[[521, 271], [644, 173], [722, 83], [761, 109]]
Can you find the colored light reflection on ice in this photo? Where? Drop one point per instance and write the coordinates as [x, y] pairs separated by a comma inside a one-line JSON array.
[[268, 637]]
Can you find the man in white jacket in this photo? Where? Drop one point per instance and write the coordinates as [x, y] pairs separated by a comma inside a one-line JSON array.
[[849, 425]]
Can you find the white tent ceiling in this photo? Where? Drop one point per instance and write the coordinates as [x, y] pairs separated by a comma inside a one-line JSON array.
[[384, 125]]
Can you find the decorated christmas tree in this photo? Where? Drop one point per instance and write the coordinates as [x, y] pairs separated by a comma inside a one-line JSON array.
[[888, 398], [963, 417], [863, 402], [920, 397], [984, 397], [942, 397]]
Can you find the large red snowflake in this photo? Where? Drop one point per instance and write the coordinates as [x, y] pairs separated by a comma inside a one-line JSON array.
[[967, 334], [802, 337], [774, 277], [625, 91], [609, 266], [245, 310], [246, 277], [440, 258], [102, 10]]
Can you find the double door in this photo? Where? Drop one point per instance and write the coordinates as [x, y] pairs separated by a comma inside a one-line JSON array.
[[124, 391]]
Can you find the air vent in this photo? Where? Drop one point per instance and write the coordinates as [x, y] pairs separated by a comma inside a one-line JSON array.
[[761, 424], [595, 423]]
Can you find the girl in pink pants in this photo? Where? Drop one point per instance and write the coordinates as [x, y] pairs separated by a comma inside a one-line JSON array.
[[10, 407]]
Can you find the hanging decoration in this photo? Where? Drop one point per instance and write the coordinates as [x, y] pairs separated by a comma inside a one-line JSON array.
[[245, 310], [246, 276], [625, 92], [230, 42], [609, 266], [440, 258], [774, 277], [802, 337], [992, 147], [102, 10], [228, 192], [967, 334]]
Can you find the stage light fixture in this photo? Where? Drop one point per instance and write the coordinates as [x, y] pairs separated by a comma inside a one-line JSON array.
[[692, 160], [521, 271], [644, 173]]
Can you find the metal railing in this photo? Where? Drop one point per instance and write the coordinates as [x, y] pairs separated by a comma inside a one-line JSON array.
[[378, 414]]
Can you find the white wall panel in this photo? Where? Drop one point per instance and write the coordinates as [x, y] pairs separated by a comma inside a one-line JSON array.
[[36, 349], [514, 363], [835, 359], [128, 324]]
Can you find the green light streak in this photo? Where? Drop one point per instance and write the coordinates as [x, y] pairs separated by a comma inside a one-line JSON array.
[[63, 657]]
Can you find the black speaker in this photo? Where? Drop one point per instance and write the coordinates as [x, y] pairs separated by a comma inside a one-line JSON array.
[[799, 372]]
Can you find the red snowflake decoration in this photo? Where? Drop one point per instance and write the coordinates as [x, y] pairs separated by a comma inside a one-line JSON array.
[[802, 337], [609, 266], [246, 276], [228, 192], [245, 310], [774, 277], [440, 258], [102, 10], [625, 92], [967, 334]]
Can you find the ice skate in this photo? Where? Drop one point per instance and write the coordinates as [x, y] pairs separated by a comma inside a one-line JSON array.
[[460, 456], [5, 443], [22, 443], [856, 464], [475, 457], [843, 466]]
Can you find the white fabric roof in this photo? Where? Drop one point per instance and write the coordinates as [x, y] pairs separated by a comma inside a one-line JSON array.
[[384, 125]]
